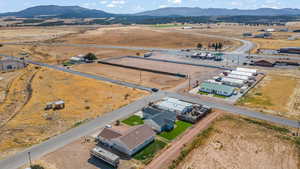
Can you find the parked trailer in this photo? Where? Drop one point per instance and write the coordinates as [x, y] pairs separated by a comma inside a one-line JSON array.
[[106, 156]]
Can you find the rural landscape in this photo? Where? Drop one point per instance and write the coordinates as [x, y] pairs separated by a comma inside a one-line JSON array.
[[166, 88]]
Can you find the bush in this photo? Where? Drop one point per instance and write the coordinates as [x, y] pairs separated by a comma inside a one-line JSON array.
[[36, 166], [90, 56]]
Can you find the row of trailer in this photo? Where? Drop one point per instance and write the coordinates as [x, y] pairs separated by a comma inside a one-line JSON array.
[[229, 82]]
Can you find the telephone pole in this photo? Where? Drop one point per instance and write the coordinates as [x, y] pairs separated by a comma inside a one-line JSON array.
[[29, 158]]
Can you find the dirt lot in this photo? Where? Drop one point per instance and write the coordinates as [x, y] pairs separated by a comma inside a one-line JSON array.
[[28, 34], [27, 123], [59, 54], [140, 36], [277, 94], [234, 142], [130, 75]]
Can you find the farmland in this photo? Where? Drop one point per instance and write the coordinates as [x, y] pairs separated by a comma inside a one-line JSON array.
[[235, 142], [31, 124]]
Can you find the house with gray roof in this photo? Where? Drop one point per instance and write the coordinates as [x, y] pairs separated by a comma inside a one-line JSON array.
[[9, 64], [159, 120]]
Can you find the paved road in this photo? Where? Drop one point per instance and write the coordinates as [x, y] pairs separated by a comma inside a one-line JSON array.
[[59, 141]]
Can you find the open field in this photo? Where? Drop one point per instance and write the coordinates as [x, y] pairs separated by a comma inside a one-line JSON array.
[[130, 75], [31, 124], [236, 142], [59, 54], [139, 36], [273, 43], [277, 94], [30, 34]]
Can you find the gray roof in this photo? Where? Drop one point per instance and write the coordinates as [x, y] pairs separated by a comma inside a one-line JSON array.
[[136, 136], [108, 134], [164, 118], [219, 87]]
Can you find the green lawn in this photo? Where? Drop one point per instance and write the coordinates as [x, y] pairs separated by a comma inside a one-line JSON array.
[[203, 93], [220, 96], [147, 154], [179, 128], [133, 120]]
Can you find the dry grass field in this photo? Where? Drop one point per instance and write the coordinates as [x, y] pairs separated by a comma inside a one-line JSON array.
[[32, 34], [59, 54], [277, 94], [31, 124], [139, 36], [273, 43], [235, 142], [130, 75]]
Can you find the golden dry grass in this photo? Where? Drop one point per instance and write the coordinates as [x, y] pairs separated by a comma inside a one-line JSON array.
[[139, 36], [84, 98], [276, 94], [59, 54], [274, 43], [234, 142]]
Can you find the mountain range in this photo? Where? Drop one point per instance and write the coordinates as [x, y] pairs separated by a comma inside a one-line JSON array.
[[80, 12]]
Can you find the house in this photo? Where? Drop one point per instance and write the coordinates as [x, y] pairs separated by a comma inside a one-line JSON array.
[[9, 64], [174, 105], [134, 140], [218, 89], [159, 120], [128, 142]]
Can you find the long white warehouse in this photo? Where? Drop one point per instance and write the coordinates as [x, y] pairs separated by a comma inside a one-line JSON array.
[[240, 69], [233, 76], [242, 73], [233, 82]]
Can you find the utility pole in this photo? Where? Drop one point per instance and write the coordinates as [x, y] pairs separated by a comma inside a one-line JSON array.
[[189, 82], [140, 77], [29, 158], [298, 128]]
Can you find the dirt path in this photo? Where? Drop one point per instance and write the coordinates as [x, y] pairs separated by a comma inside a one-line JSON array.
[[165, 158]]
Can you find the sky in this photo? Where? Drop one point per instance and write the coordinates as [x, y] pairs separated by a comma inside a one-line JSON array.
[[134, 6]]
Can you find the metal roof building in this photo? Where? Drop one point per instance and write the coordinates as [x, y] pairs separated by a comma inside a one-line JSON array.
[[176, 105], [233, 82], [218, 89], [240, 69], [238, 77], [242, 73]]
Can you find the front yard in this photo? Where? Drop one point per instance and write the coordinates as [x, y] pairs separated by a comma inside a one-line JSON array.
[[133, 120]]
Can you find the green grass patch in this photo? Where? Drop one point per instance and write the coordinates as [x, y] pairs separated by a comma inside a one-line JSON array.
[[197, 142], [68, 63], [203, 93], [220, 96], [179, 128], [133, 120], [268, 126], [147, 154]]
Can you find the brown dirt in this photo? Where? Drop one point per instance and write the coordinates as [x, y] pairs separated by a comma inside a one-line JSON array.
[[130, 75], [139, 36], [163, 160], [235, 143], [33, 124]]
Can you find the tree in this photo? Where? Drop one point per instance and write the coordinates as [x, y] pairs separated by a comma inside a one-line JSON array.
[[220, 45], [199, 46], [1, 45], [90, 56], [138, 54], [36, 166]]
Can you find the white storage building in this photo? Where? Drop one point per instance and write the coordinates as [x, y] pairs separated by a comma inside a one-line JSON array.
[[242, 73], [233, 82], [175, 105], [233, 76], [240, 69]]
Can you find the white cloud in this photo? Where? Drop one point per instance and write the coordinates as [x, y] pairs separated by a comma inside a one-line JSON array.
[[116, 3], [175, 1]]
